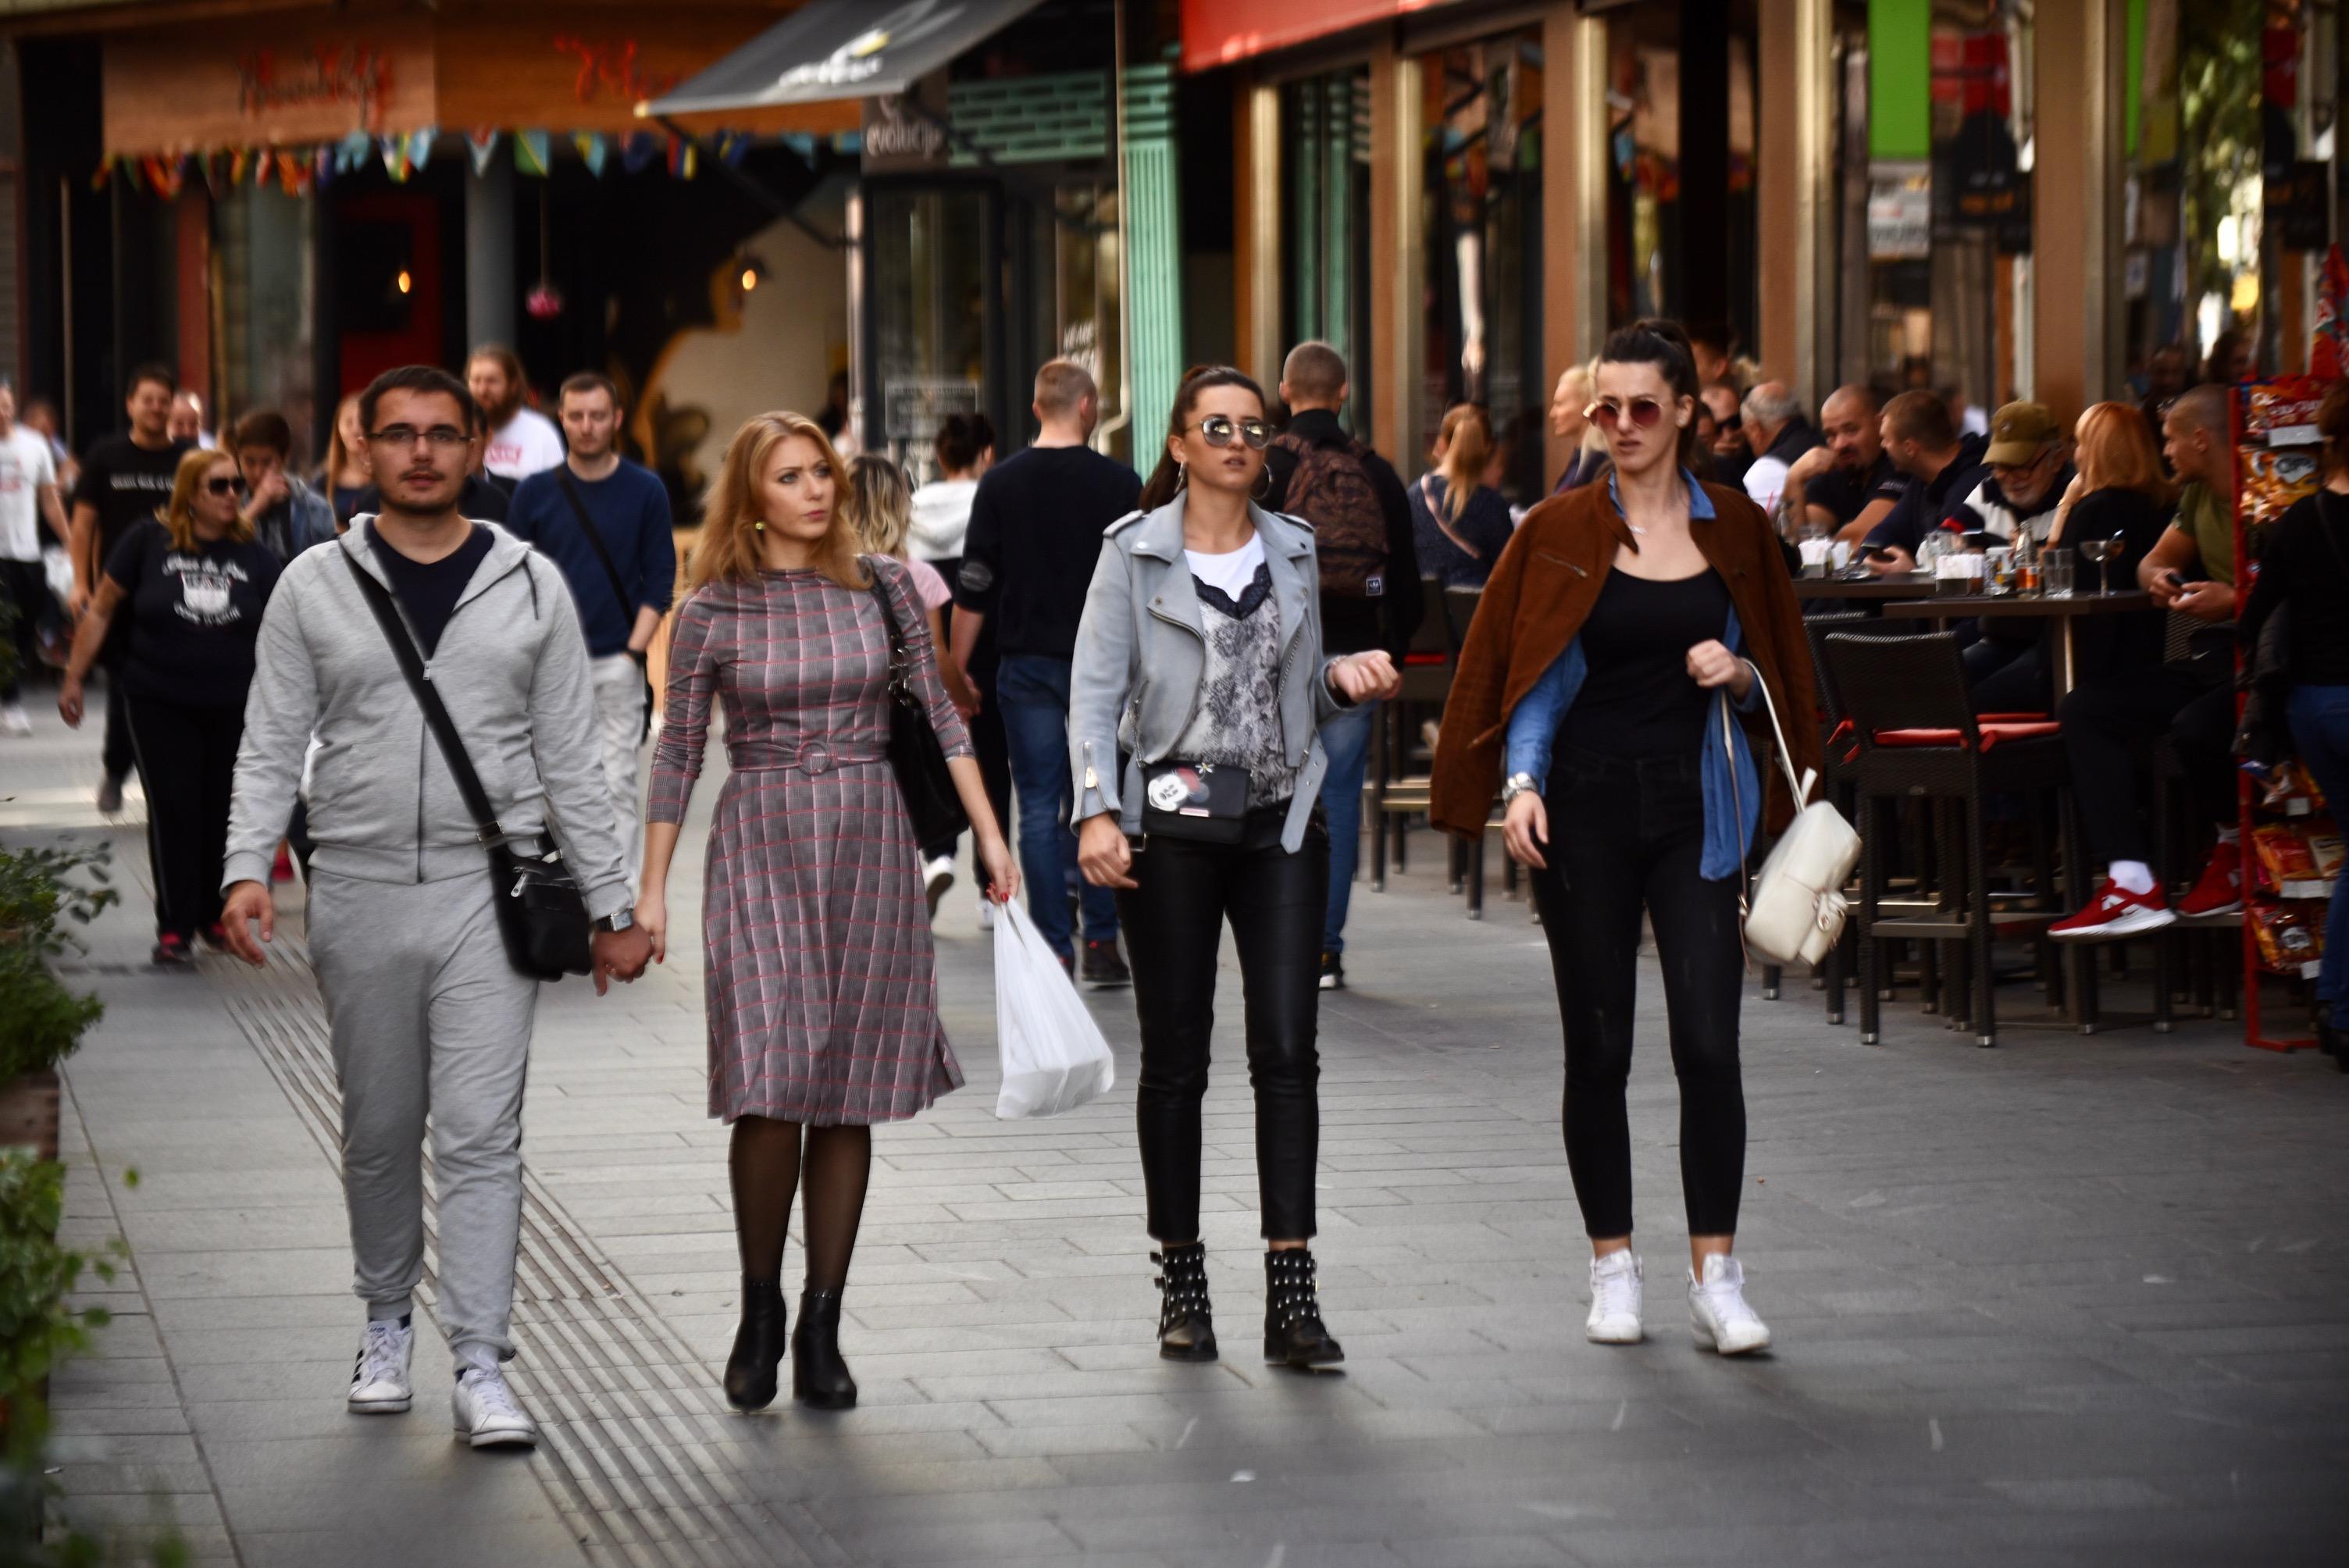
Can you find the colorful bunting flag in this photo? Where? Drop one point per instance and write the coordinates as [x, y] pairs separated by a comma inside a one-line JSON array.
[[639, 150], [482, 144], [593, 151], [530, 152], [419, 146]]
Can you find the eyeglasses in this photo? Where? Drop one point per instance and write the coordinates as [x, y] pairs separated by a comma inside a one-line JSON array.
[[1608, 414], [441, 437], [1219, 429], [223, 487]]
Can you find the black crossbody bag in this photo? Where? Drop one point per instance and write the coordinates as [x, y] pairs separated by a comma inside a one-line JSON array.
[[619, 588], [1203, 801], [915, 754], [541, 914]]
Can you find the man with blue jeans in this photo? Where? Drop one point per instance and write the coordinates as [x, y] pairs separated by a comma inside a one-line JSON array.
[[1036, 526], [1370, 587]]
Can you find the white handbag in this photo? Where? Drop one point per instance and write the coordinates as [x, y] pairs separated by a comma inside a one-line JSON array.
[[1796, 908]]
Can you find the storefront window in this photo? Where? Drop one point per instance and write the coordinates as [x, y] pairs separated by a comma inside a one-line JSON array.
[[1325, 165], [1065, 301], [1481, 227], [261, 239], [930, 246]]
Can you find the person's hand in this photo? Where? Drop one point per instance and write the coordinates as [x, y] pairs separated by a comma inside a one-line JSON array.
[[620, 955], [2164, 591], [69, 706], [270, 491], [652, 919], [1365, 677], [1525, 827], [1710, 665], [1810, 465], [1102, 853], [1003, 871], [2206, 601], [966, 701], [1896, 562], [77, 602], [248, 902]]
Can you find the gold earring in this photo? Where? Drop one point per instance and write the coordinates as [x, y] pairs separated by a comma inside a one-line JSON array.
[[758, 525]]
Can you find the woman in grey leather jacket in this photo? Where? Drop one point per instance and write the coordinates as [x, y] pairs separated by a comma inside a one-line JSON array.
[[1196, 697]]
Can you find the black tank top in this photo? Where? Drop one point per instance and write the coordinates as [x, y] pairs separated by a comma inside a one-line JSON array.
[[1637, 700]]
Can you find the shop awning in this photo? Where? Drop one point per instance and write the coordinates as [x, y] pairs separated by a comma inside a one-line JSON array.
[[834, 49], [1224, 32]]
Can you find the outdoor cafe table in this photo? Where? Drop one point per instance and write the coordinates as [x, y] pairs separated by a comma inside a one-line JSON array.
[[2063, 611], [1908, 585]]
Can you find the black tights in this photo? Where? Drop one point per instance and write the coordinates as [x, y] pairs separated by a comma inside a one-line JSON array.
[[765, 1162]]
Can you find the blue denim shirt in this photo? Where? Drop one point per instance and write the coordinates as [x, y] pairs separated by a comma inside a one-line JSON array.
[[1728, 773]]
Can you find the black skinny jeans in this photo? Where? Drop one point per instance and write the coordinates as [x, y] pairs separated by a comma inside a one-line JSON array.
[[1624, 835], [187, 762], [1174, 921], [2109, 724]]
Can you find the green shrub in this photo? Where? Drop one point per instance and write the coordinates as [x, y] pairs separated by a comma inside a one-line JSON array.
[[40, 1020]]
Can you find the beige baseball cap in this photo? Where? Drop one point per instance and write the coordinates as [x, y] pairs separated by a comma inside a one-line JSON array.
[[2019, 432]]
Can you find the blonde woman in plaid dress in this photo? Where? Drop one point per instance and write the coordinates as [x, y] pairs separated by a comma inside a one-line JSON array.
[[822, 985]]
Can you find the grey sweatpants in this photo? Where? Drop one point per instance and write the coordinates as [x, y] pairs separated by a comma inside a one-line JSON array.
[[428, 1016]]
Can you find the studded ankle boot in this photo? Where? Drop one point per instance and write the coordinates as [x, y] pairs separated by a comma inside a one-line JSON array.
[[1293, 1332], [819, 1377], [758, 1346], [1187, 1325]]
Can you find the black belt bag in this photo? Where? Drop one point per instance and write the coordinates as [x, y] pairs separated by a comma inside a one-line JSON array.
[[1204, 801], [540, 912]]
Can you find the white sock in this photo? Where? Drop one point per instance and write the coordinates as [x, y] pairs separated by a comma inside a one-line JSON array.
[[2232, 833], [2134, 876]]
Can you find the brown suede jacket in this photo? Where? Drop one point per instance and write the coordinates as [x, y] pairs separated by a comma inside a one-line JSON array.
[[1542, 589]]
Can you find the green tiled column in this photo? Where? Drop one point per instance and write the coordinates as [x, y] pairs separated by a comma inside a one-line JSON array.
[[1154, 262]]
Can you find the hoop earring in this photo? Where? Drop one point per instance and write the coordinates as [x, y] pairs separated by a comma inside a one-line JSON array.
[[1263, 483], [1181, 474]]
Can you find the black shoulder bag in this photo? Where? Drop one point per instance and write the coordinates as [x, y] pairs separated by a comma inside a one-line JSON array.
[[540, 912], [915, 754], [612, 574]]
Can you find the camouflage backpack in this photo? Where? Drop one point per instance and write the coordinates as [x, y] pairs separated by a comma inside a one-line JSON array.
[[1331, 489]]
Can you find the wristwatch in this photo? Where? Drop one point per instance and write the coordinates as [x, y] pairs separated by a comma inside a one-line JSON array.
[[619, 920], [1516, 785]]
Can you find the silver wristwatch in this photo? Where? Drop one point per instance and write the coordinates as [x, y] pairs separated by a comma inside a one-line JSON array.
[[619, 920], [1515, 784]]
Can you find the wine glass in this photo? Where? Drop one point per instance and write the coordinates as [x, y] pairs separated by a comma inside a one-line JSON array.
[[2103, 552]]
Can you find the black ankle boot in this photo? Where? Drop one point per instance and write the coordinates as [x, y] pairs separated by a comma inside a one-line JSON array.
[[1187, 1324], [758, 1346], [1293, 1331], [819, 1377]]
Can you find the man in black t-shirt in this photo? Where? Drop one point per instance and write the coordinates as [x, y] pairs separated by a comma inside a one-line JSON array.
[[1036, 525], [124, 480], [1849, 485]]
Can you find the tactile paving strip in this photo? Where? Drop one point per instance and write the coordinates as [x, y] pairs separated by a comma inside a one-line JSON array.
[[634, 1428]]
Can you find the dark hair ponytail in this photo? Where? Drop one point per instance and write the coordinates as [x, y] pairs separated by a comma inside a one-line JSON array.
[[1656, 340], [1168, 476]]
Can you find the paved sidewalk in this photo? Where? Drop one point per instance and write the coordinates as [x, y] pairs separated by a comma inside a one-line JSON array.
[[2074, 1300]]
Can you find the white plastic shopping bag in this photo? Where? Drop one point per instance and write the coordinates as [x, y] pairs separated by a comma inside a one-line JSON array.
[[1054, 1057]]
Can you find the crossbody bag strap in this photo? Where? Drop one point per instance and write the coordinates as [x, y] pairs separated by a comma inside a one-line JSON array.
[[595, 543], [436, 715], [1802, 786], [900, 677]]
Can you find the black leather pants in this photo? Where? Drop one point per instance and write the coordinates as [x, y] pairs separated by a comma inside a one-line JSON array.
[[1173, 923]]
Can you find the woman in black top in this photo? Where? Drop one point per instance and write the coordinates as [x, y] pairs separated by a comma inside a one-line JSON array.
[[2117, 493], [193, 582], [1459, 524], [2304, 569]]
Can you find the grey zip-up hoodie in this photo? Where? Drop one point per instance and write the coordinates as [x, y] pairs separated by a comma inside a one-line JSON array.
[[510, 666]]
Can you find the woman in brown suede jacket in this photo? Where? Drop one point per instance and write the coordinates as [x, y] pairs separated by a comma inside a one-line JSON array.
[[1621, 617]]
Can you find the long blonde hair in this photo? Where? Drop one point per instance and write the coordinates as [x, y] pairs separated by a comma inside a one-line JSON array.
[[178, 515], [338, 454], [1467, 437], [728, 548], [879, 503]]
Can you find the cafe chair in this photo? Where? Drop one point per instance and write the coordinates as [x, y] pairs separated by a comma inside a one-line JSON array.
[[1917, 738]]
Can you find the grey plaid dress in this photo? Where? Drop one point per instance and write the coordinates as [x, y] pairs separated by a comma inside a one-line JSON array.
[[820, 985]]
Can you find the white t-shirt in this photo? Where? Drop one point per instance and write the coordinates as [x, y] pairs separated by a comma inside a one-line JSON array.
[[1232, 572], [528, 444], [1765, 481], [24, 467]]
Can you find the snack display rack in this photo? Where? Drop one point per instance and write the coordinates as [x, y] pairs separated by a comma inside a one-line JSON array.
[[2291, 849]]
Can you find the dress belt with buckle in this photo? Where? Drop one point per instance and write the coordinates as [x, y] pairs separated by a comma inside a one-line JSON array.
[[815, 757]]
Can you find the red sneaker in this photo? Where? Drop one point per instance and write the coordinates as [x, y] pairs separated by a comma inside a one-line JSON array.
[[282, 869], [2115, 911], [2220, 889]]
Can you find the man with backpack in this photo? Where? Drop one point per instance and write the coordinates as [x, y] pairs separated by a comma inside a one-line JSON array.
[[1371, 595]]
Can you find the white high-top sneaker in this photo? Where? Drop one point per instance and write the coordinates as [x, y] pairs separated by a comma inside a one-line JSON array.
[[1717, 1309], [379, 1376], [1614, 1299], [487, 1416]]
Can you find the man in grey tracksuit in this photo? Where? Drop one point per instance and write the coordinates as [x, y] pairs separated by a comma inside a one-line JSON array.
[[426, 1011]]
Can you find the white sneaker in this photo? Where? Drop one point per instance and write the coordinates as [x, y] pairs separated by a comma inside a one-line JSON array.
[[379, 1377], [1614, 1300], [13, 719], [987, 914], [487, 1416], [937, 878], [1718, 1312]]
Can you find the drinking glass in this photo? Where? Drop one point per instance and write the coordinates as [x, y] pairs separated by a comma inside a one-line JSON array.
[[2104, 552], [2055, 573]]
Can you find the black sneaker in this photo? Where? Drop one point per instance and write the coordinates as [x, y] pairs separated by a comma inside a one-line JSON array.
[[1102, 966], [1333, 972]]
